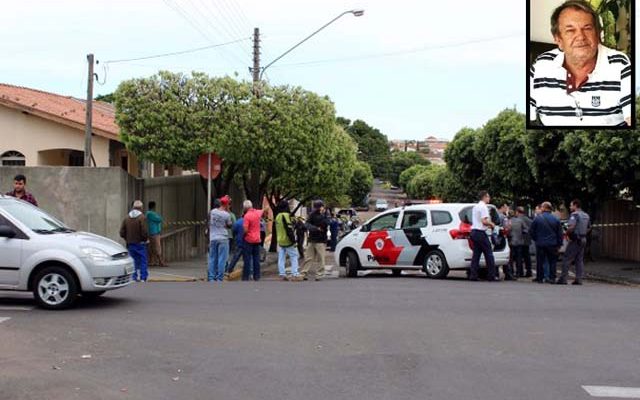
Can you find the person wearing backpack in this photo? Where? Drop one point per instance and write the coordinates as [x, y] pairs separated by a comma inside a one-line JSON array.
[[546, 232], [286, 240]]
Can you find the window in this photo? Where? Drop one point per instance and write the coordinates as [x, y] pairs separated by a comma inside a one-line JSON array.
[[440, 217], [12, 158], [385, 222], [466, 215], [414, 219]]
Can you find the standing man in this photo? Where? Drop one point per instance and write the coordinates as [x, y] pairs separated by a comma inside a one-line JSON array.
[[520, 242], [286, 242], [334, 228], [481, 244], [154, 225], [238, 236], [251, 228], [232, 243], [317, 224], [582, 82], [546, 232], [505, 215], [219, 223], [134, 231], [578, 227], [19, 190]]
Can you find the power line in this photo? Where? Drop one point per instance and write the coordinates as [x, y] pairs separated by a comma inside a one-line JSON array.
[[176, 53], [401, 52], [193, 22]]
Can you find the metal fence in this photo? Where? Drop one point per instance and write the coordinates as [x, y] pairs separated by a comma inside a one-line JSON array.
[[617, 231]]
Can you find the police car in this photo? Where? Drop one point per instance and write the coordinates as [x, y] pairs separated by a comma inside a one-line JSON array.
[[433, 238]]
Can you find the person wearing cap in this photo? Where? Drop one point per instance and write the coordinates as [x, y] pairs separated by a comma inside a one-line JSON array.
[[134, 231], [219, 223], [317, 224]]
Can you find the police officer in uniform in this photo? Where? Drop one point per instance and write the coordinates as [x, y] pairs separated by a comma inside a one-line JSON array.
[[578, 226]]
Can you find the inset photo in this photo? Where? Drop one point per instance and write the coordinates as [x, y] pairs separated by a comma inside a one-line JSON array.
[[580, 61]]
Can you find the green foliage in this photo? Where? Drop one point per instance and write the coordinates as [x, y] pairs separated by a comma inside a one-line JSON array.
[[107, 98], [373, 146], [408, 174], [528, 167], [285, 144], [424, 184], [361, 183], [400, 161]]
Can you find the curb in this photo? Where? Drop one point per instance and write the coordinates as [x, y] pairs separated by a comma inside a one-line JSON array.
[[609, 280], [171, 278]]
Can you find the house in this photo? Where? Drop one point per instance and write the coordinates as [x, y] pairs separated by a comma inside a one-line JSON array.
[[39, 128]]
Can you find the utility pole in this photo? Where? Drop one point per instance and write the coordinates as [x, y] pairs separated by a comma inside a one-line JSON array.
[[256, 62], [88, 120]]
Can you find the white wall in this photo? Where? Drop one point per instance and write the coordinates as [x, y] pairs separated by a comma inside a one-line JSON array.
[[30, 134], [540, 12]]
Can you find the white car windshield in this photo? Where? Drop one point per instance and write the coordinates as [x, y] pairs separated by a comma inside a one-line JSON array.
[[34, 218]]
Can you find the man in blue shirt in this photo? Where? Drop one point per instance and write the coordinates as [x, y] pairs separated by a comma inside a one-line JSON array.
[[238, 235], [546, 232]]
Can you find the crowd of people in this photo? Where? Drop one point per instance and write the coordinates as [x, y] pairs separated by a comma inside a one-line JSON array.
[[545, 231], [231, 239]]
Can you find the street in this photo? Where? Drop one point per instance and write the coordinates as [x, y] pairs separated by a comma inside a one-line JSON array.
[[375, 337]]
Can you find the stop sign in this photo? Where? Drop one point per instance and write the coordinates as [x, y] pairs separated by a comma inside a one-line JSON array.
[[216, 166]]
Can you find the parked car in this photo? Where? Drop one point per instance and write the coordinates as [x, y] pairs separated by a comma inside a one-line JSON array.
[[381, 205], [42, 255], [433, 238]]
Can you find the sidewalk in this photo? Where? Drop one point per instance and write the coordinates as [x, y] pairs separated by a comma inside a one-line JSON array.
[[613, 271], [196, 270]]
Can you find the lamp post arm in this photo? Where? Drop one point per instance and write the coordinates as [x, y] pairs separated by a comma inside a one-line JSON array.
[[302, 41]]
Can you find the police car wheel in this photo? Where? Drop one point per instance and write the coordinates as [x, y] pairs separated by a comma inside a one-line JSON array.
[[352, 264], [435, 265], [396, 272]]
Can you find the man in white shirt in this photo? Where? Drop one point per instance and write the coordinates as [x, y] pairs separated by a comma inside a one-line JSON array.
[[481, 220], [582, 82]]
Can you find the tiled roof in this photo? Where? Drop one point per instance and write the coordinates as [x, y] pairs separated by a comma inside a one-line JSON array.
[[63, 109]]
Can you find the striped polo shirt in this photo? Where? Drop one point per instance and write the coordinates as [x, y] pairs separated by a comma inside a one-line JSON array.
[[603, 100]]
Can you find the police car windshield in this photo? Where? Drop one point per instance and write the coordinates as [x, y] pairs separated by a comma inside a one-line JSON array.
[[33, 217]]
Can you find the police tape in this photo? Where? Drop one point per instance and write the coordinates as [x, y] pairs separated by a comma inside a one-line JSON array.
[[185, 223], [616, 225]]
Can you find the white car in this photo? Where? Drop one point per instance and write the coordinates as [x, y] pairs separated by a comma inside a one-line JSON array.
[[42, 255], [433, 238], [381, 205]]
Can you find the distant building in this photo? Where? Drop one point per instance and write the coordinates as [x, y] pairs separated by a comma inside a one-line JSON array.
[[435, 147]]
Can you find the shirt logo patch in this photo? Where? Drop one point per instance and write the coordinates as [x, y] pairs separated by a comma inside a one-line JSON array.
[[595, 101]]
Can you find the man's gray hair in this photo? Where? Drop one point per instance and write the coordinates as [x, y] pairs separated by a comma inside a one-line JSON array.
[[247, 204], [138, 205], [576, 5]]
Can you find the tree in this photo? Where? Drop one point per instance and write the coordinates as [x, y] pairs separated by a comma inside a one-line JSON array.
[[373, 146], [408, 174], [501, 146], [107, 98], [424, 184], [361, 183], [285, 144], [400, 161]]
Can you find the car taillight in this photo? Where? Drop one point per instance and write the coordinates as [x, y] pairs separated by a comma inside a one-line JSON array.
[[463, 232]]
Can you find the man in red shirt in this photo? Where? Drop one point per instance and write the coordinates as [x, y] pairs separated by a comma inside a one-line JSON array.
[[251, 252]]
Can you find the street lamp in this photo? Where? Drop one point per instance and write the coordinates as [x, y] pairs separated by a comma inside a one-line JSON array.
[[356, 13]]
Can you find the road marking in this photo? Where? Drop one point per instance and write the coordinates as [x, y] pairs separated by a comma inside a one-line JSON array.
[[613, 391], [15, 308], [3, 319]]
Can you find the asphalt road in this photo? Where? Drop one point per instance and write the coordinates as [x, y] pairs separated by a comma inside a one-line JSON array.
[[367, 338]]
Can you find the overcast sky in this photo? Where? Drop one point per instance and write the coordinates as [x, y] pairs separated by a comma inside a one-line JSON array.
[[403, 67]]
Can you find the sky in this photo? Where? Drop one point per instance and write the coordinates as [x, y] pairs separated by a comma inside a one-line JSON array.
[[411, 68]]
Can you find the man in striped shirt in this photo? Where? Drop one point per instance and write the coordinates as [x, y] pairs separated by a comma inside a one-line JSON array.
[[582, 82]]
